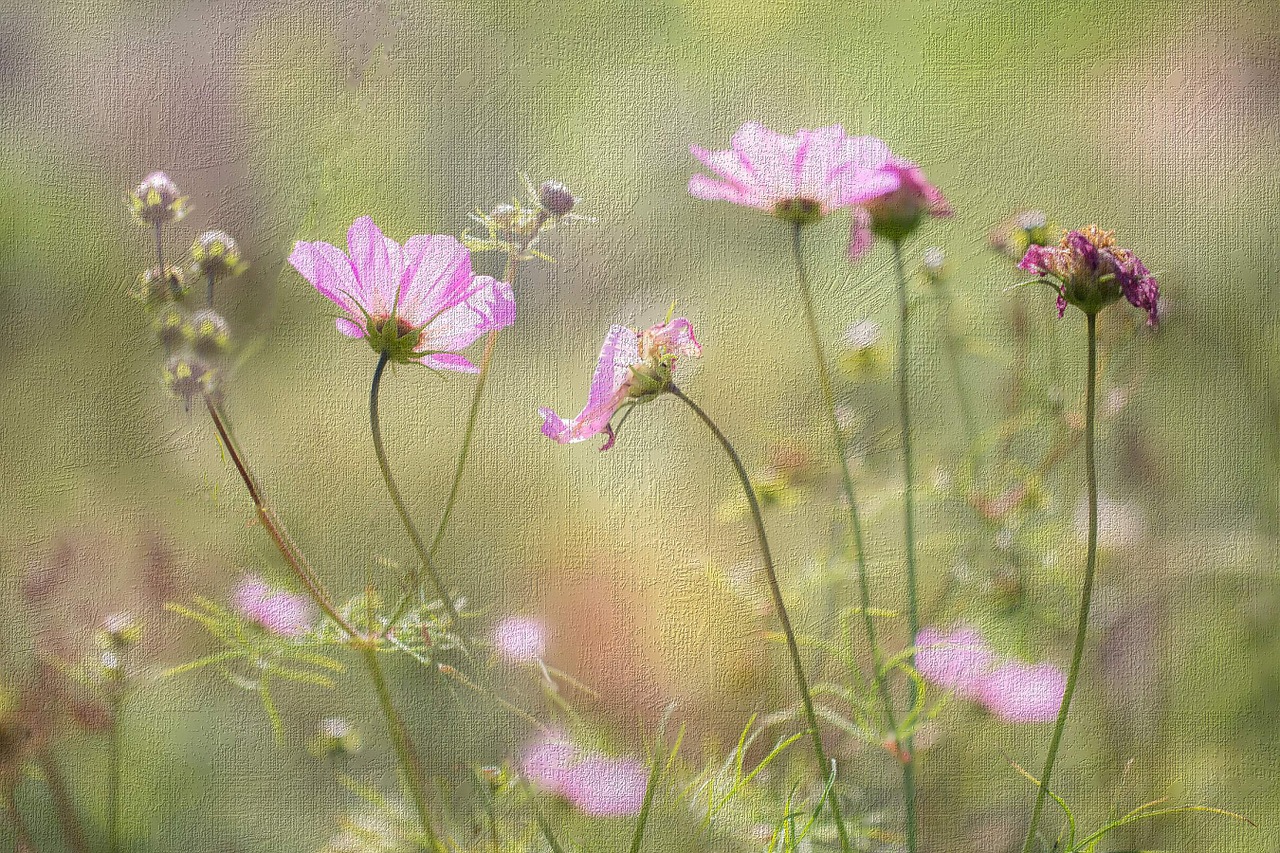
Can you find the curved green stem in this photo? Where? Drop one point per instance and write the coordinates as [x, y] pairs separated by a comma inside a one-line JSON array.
[[1086, 594], [793, 648], [113, 771], [855, 528], [385, 467], [406, 753]]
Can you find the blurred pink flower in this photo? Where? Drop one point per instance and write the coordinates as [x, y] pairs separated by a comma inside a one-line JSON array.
[[520, 639], [281, 613], [600, 786], [1024, 692], [801, 177], [596, 784], [957, 660], [897, 210], [1091, 272], [419, 302], [632, 366]]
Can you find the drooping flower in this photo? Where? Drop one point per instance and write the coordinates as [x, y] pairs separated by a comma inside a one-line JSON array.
[[601, 786], [419, 302], [520, 639], [958, 660], [632, 367], [800, 177], [1023, 692], [897, 210], [282, 613], [1090, 272]]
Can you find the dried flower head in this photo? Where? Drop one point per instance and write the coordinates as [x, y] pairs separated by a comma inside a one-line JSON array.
[[190, 378], [555, 198], [633, 367], [157, 201], [1090, 271], [155, 286], [419, 302], [170, 325], [216, 254], [207, 332], [1020, 232], [800, 177]]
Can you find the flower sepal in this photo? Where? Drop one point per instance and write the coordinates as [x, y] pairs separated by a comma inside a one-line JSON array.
[[798, 211]]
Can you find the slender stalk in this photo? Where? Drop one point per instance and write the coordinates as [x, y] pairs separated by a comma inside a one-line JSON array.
[[209, 282], [113, 770], [21, 832], [793, 648], [855, 528], [908, 466], [292, 556], [1086, 594], [384, 466], [63, 805], [406, 754]]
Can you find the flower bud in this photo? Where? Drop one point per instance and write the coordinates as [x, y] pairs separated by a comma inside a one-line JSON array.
[[216, 254], [207, 332], [556, 198], [119, 631], [155, 286], [188, 378], [337, 738], [170, 325], [157, 201], [935, 262]]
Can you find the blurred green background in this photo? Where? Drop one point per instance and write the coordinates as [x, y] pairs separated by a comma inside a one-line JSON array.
[[285, 122]]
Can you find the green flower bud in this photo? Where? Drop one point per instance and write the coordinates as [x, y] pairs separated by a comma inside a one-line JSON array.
[[155, 286], [157, 201], [170, 325], [207, 332], [216, 254]]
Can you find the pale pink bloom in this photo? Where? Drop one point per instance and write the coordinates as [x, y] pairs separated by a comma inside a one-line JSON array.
[[548, 763], [958, 660], [520, 639], [600, 786], [897, 209], [281, 613], [632, 365], [1024, 692], [417, 302], [811, 171]]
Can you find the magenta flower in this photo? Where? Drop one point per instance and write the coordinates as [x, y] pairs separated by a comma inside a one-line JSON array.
[[896, 211], [1024, 692], [520, 639], [1090, 272], [280, 613], [958, 660], [419, 302], [632, 367], [600, 786], [548, 762], [800, 178]]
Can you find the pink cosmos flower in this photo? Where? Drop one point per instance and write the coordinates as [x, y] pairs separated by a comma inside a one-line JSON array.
[[418, 302], [281, 613], [600, 786], [896, 211], [1024, 692], [958, 660], [1090, 271], [596, 784], [633, 366], [802, 177], [520, 639]]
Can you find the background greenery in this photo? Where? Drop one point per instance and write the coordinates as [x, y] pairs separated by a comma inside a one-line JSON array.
[[286, 121]]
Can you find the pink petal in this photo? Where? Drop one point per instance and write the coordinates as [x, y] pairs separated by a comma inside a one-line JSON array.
[[548, 762], [489, 305], [608, 389], [860, 237], [349, 328], [437, 276], [449, 361], [958, 660], [676, 338], [607, 787], [378, 263], [1024, 693], [331, 273]]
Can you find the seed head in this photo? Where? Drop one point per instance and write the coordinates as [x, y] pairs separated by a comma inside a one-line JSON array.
[[155, 286], [157, 201], [216, 254], [207, 332], [556, 198]]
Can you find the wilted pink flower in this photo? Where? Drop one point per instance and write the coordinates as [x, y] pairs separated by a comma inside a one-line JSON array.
[[801, 178], [281, 613], [418, 302], [549, 761], [600, 786], [1024, 692], [633, 366], [958, 660], [1091, 272], [896, 211], [520, 639]]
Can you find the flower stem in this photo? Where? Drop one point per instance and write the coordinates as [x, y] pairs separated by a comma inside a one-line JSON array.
[[113, 770], [62, 804], [406, 754], [292, 556], [802, 681], [855, 528], [21, 832], [396, 498], [1086, 594], [908, 466]]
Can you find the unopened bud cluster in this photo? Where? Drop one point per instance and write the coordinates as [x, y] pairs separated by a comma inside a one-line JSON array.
[[194, 336], [513, 228]]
